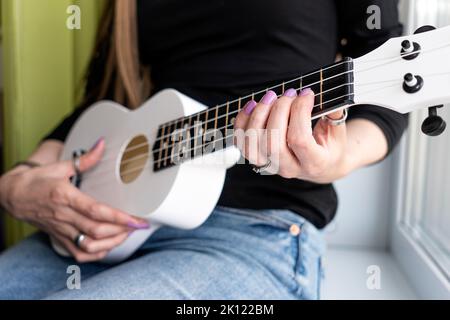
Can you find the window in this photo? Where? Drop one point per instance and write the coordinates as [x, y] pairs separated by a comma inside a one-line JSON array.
[[421, 234], [426, 213]]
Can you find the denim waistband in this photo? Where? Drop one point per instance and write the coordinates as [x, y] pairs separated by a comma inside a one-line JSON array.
[[283, 216]]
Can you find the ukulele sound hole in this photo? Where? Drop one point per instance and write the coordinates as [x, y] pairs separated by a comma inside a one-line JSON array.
[[134, 159]]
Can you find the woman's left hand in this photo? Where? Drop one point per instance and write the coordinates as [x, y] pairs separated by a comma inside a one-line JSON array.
[[280, 130]]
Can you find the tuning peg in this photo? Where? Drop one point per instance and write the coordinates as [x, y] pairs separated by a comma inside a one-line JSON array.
[[433, 125], [425, 29], [410, 50], [412, 83]]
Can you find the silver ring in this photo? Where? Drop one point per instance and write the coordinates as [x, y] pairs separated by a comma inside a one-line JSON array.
[[76, 162], [336, 122], [79, 239], [262, 168]]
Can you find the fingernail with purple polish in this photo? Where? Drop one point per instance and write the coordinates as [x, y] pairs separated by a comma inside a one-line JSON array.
[[291, 93], [139, 226], [306, 92], [248, 109], [97, 143], [269, 98]]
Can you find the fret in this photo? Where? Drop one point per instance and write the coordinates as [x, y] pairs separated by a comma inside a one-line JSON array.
[[205, 132], [160, 147], [156, 150], [189, 123], [206, 121], [180, 127], [233, 112], [167, 145], [283, 88], [209, 134], [229, 123], [212, 116], [333, 98], [221, 124], [174, 140], [197, 135], [227, 111], [215, 118], [191, 134], [182, 140], [321, 89]]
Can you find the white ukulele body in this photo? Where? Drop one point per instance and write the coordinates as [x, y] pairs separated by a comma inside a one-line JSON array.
[[167, 197]]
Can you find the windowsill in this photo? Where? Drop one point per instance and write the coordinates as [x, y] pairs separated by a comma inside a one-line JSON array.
[[346, 276]]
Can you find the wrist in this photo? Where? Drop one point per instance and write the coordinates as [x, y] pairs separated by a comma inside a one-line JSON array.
[[346, 165], [5, 186], [337, 170], [10, 185]]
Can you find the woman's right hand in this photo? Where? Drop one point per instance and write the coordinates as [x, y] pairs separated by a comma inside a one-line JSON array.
[[45, 198]]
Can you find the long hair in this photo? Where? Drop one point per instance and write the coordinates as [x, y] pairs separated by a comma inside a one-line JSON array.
[[115, 71]]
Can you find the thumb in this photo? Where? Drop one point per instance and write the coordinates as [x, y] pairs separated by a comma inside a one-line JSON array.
[[87, 161], [90, 159], [336, 115], [325, 130]]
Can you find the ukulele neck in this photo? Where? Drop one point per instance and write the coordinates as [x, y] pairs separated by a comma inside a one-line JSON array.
[[211, 129]]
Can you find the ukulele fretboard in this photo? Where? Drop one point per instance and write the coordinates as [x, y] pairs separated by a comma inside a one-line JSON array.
[[211, 130]]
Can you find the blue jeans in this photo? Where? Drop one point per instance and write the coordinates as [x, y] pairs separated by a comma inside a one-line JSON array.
[[235, 254]]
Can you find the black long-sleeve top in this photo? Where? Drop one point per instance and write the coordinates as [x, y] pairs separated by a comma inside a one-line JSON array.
[[218, 50]]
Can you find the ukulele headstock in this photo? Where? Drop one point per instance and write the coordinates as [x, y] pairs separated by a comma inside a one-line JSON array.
[[406, 74]]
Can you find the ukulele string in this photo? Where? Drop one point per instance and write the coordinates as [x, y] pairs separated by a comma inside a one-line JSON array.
[[143, 156], [100, 173], [184, 141], [188, 129], [190, 139], [182, 132]]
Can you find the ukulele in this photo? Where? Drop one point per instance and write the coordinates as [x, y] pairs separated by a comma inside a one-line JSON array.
[[166, 161]]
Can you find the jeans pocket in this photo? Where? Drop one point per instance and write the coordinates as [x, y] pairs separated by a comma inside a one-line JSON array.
[[293, 242]]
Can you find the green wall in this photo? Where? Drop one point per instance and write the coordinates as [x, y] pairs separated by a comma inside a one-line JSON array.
[[43, 66]]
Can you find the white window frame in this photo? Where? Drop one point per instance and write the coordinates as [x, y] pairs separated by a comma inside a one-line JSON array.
[[414, 254]]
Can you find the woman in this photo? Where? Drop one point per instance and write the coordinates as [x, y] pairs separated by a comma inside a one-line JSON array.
[[263, 241]]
